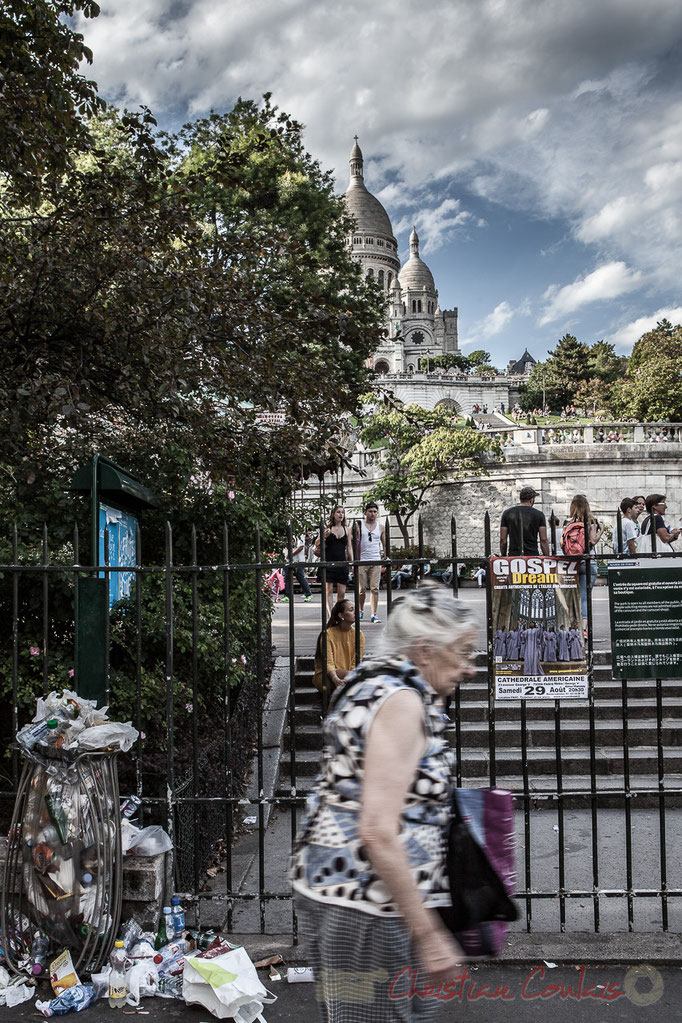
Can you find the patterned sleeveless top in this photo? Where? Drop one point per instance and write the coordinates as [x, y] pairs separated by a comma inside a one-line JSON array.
[[329, 863]]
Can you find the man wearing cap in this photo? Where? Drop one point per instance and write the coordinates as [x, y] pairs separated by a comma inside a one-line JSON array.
[[369, 576], [521, 526]]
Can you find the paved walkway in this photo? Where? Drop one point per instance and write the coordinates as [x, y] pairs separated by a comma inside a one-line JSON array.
[[493, 993], [308, 621]]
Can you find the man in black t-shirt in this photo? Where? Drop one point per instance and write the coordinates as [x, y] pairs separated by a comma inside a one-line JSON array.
[[522, 525]]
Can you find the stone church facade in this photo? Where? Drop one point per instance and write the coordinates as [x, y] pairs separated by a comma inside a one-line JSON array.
[[417, 326]]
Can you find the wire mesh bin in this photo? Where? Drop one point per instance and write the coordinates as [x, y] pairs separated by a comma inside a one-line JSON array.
[[63, 870]]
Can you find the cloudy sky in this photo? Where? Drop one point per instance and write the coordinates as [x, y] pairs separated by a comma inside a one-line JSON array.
[[536, 144]]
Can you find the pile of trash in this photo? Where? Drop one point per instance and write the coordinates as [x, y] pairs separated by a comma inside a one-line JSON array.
[[197, 967], [62, 884], [68, 722]]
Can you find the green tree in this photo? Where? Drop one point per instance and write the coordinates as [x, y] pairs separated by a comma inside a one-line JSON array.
[[478, 357], [604, 364], [43, 96], [422, 448], [451, 360], [170, 292], [652, 387], [559, 377]]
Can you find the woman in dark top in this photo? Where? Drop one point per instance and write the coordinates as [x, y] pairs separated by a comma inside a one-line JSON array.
[[656, 504], [337, 548]]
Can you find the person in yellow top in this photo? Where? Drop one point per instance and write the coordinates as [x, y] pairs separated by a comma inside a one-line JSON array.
[[340, 646]]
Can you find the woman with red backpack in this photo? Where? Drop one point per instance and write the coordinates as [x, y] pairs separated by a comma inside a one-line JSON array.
[[573, 544]]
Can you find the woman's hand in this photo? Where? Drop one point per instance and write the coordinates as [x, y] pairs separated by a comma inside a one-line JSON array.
[[439, 954]]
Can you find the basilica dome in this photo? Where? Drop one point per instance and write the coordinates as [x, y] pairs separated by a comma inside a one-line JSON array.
[[369, 215], [415, 275]]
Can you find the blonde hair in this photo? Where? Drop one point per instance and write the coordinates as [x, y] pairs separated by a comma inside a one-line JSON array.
[[430, 613]]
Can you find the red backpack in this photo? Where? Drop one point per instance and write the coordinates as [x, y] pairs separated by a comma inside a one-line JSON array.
[[573, 538]]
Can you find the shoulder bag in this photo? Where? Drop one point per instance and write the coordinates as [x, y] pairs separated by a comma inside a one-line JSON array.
[[480, 860]]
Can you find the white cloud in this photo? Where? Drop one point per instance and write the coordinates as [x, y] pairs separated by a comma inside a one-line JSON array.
[[606, 282], [561, 110], [436, 225], [624, 337], [494, 323]]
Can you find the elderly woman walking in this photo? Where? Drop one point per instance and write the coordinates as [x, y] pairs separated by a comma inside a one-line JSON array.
[[369, 870]]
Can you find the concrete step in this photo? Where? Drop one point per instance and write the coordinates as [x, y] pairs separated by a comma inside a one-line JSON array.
[[542, 792], [539, 734], [601, 658], [540, 761], [474, 694]]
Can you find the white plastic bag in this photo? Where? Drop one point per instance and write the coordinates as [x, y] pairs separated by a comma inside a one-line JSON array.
[[143, 982], [117, 734], [228, 986], [149, 841]]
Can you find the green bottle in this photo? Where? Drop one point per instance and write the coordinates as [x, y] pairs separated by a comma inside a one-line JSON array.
[[162, 936]]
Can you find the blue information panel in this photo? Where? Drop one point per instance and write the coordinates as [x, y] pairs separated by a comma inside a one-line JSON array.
[[120, 528]]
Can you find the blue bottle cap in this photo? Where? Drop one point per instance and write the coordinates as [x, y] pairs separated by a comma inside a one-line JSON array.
[[86, 878], [175, 901]]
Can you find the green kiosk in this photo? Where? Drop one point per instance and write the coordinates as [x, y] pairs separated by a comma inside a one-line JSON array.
[[116, 499]]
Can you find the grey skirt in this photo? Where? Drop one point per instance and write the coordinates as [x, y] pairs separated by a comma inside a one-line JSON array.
[[366, 969]]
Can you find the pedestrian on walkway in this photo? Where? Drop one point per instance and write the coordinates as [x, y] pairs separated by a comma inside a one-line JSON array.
[[656, 505], [369, 869], [372, 541], [337, 548], [573, 542], [522, 526], [297, 557], [629, 529], [340, 647], [480, 574]]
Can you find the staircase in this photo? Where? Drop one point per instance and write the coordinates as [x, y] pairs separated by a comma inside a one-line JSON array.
[[542, 727]]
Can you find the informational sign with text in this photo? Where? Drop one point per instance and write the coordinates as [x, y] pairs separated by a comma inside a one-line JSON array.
[[645, 601]]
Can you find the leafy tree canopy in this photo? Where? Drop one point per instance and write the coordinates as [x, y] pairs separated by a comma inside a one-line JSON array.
[[43, 96], [167, 292], [422, 448], [652, 387]]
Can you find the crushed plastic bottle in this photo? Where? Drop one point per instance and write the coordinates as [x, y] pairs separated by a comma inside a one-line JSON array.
[[74, 999], [130, 934], [40, 949], [118, 986], [170, 954]]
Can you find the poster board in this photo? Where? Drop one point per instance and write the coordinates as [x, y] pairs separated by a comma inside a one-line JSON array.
[[538, 646], [645, 604], [122, 550]]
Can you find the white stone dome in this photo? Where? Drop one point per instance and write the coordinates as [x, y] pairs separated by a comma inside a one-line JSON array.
[[369, 215], [415, 275]]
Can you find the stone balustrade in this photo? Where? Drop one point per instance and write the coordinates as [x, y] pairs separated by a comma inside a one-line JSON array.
[[538, 438]]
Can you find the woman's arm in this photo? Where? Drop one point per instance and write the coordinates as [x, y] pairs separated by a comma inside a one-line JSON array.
[[332, 674], [349, 546], [394, 748]]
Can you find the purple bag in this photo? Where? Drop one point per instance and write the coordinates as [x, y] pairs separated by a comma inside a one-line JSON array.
[[481, 867]]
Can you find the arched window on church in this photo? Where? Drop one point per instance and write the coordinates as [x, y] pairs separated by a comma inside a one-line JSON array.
[[419, 306], [381, 278], [370, 273], [414, 306], [389, 279]]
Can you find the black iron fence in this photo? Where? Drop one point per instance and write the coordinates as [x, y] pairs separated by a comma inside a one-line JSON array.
[[201, 723]]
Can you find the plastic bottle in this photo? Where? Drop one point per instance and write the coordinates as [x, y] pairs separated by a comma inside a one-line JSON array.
[[32, 734], [118, 988], [40, 949], [130, 933], [170, 954], [178, 914], [58, 815]]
